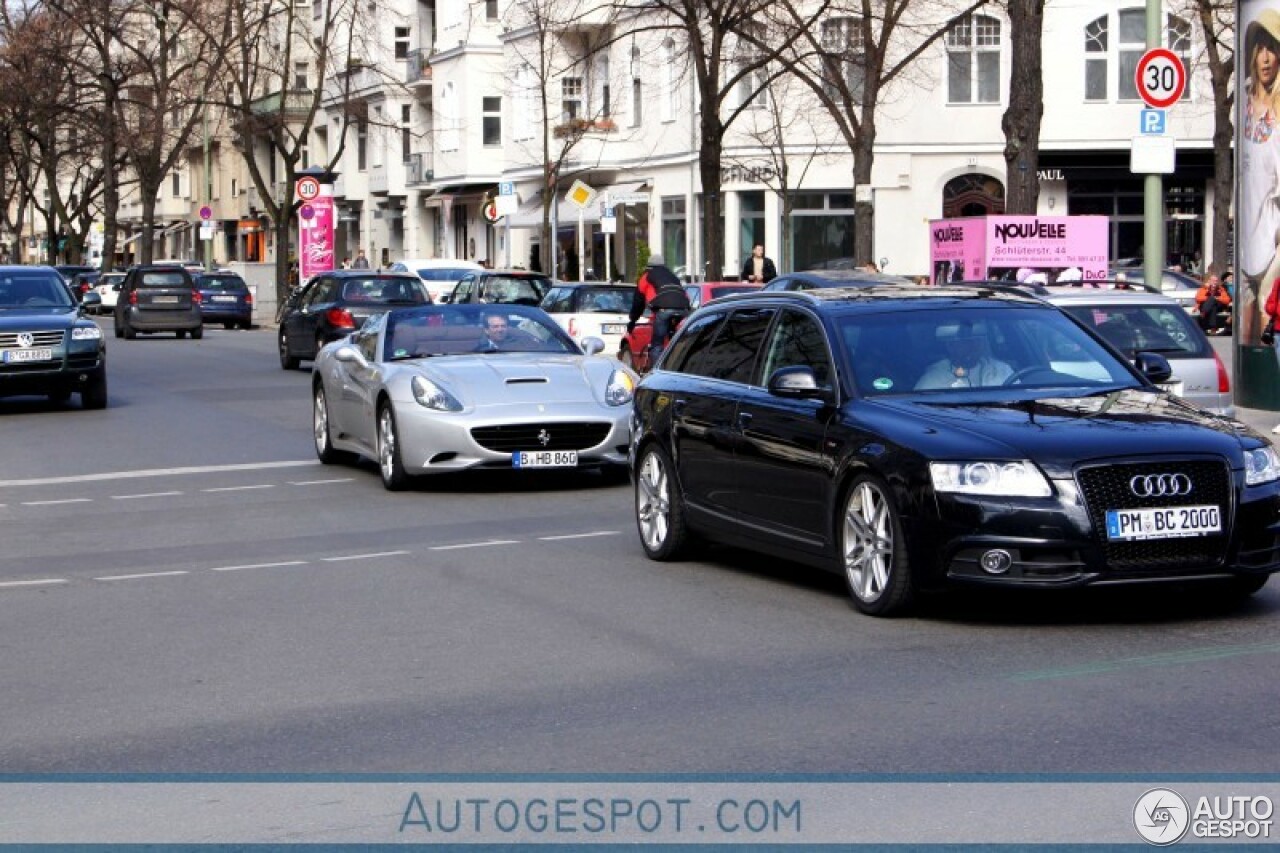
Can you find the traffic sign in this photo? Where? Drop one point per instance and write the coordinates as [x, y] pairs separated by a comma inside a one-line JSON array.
[[581, 195], [491, 211], [506, 188], [1161, 78], [1153, 121], [629, 198], [308, 188], [507, 204], [206, 212]]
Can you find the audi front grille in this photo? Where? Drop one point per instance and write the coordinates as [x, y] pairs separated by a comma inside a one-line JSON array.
[[1107, 487]]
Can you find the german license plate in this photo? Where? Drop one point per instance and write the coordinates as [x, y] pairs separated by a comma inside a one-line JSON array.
[[15, 355], [224, 299], [165, 300], [1170, 523], [612, 328], [544, 459]]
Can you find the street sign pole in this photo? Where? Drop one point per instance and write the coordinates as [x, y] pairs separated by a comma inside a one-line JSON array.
[[1153, 253], [582, 253]]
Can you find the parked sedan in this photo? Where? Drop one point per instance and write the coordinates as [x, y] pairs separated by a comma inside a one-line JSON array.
[[334, 304], [47, 346], [448, 388], [225, 299], [912, 438], [592, 309]]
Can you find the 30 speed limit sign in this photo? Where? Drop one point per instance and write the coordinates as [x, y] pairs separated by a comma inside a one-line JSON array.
[[308, 188], [1161, 78]]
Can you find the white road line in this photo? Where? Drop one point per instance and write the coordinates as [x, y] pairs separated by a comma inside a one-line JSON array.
[[259, 566], [147, 495], [475, 545], [363, 556], [578, 535], [159, 472], [240, 488], [134, 577], [52, 503], [320, 482], [44, 582]]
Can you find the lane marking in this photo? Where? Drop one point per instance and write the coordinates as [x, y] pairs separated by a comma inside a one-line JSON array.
[[475, 545], [259, 566], [159, 472], [320, 482], [144, 575], [147, 495], [579, 535], [53, 503], [239, 488], [364, 556], [1164, 659], [44, 582]]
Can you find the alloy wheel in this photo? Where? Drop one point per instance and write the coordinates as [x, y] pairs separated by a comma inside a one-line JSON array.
[[868, 542], [653, 502]]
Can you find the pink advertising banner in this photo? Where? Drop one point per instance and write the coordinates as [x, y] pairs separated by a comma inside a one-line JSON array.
[[315, 235], [992, 246]]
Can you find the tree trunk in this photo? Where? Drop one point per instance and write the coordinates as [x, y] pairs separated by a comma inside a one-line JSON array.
[[147, 242], [1223, 177], [110, 181], [1021, 121], [281, 225], [864, 212], [709, 157]]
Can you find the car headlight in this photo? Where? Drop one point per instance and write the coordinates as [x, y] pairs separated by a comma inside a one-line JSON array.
[[1261, 465], [621, 388], [432, 396], [1004, 479], [86, 333]]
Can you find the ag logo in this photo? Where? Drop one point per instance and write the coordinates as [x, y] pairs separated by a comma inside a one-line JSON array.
[[1161, 816]]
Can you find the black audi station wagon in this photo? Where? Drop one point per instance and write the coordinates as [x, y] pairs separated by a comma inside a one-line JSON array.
[[916, 437]]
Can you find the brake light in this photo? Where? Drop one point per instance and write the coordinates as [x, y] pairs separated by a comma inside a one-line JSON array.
[[133, 297], [340, 318], [1224, 380], [195, 296], [248, 299]]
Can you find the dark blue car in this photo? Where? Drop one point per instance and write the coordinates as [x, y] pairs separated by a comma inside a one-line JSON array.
[[225, 299]]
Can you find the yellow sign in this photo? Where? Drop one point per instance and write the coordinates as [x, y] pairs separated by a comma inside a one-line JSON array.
[[581, 194]]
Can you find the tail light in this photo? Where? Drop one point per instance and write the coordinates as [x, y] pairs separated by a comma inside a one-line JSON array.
[[340, 318], [248, 299], [133, 297], [195, 297], [1224, 380]]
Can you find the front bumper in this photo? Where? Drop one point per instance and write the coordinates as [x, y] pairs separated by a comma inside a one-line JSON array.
[[72, 370]]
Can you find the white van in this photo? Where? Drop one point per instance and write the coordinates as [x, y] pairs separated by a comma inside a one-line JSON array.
[[440, 275]]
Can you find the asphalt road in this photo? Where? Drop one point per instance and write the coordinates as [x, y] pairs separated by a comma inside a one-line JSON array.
[[183, 589]]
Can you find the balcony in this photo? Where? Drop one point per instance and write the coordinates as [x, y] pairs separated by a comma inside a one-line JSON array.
[[419, 169], [356, 82], [293, 105], [577, 127], [418, 70]]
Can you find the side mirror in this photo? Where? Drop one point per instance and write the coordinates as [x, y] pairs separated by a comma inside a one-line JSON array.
[[91, 299], [592, 345], [1153, 366], [797, 383], [348, 354]]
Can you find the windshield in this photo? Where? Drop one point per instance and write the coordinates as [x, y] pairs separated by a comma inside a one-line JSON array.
[[958, 350], [602, 300], [510, 289], [442, 274], [210, 282], [1166, 329], [458, 329], [33, 290]]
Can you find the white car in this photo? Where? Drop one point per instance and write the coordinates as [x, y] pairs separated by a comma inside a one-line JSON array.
[[108, 287], [440, 275], [591, 309]]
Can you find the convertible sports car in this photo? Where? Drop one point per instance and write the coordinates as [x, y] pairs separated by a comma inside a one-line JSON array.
[[442, 388]]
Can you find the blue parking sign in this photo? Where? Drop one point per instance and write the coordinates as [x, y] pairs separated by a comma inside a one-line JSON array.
[[1153, 121]]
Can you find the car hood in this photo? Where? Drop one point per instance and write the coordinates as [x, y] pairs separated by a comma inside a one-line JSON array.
[[1059, 433], [37, 319], [520, 378]]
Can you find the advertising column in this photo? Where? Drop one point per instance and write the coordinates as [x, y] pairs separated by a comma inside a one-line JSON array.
[[1257, 380], [315, 227]]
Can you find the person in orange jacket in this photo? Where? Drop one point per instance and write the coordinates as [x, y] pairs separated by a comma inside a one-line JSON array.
[[1213, 304]]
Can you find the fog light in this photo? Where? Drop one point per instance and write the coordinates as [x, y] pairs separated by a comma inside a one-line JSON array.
[[996, 561]]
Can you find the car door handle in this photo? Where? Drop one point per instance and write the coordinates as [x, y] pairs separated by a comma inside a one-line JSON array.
[[744, 420]]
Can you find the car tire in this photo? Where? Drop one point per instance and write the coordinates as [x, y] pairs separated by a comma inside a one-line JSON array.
[[119, 331], [660, 517], [246, 324], [325, 451], [94, 395], [228, 326], [197, 333], [129, 333], [181, 333], [390, 466], [287, 362], [873, 553]]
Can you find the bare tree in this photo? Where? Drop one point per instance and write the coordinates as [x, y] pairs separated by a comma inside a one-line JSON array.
[[1021, 121]]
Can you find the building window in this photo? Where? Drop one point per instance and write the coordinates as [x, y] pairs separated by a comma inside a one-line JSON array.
[[402, 42], [750, 221], [492, 121], [972, 195], [637, 102], [175, 185], [571, 98], [973, 61], [491, 10], [844, 58], [753, 88], [675, 230], [821, 227], [1102, 54], [406, 131], [362, 145], [670, 81], [600, 73], [525, 103], [301, 79]]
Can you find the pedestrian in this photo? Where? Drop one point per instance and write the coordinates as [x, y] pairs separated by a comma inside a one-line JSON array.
[[757, 268], [361, 262], [346, 262], [1213, 306], [660, 291]]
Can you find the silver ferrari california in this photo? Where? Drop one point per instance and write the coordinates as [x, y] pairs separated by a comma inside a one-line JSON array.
[[441, 388]]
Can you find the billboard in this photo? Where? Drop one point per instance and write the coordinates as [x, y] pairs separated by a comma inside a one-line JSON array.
[[315, 234], [1258, 164], [996, 247]]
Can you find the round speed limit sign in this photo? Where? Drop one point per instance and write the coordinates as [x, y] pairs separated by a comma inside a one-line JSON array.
[[308, 188], [1161, 78]]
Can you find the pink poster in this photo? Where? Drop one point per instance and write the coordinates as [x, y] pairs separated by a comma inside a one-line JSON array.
[[956, 250], [315, 234], [996, 247]]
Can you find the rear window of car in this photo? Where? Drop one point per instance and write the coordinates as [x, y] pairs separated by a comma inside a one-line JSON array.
[[1166, 329], [233, 283], [382, 291], [442, 274], [161, 279], [509, 289], [605, 300], [717, 292]]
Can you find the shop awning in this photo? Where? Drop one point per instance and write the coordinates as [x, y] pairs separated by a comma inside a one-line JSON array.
[[530, 213]]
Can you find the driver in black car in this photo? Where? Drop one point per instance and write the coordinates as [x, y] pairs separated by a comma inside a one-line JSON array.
[[968, 364]]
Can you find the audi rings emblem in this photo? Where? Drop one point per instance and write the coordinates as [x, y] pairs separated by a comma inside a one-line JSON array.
[[1160, 485], [26, 339]]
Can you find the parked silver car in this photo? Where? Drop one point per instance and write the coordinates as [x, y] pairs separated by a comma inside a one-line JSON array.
[[1139, 320]]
